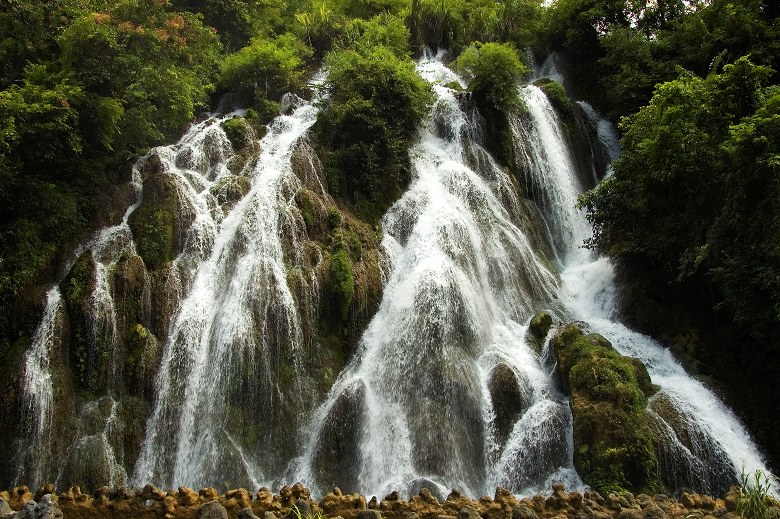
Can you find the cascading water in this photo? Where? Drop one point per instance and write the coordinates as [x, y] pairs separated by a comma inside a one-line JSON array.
[[704, 446], [37, 461], [444, 391], [419, 404], [234, 328]]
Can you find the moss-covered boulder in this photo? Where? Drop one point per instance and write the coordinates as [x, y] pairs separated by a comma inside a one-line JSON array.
[[342, 281], [228, 190], [538, 328], [613, 444], [244, 137], [555, 94], [154, 222]]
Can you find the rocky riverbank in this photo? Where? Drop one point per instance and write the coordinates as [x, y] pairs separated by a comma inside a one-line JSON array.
[[185, 503]]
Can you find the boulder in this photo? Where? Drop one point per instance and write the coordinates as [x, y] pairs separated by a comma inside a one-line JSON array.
[[508, 397], [613, 444], [538, 327], [211, 510], [337, 455], [247, 513]]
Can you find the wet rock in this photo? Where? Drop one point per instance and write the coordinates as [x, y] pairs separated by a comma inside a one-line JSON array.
[[47, 508], [27, 511], [538, 328], [468, 512], [630, 513], [613, 445], [211, 510], [508, 398], [368, 514], [269, 515], [247, 513], [229, 189], [337, 451], [524, 511]]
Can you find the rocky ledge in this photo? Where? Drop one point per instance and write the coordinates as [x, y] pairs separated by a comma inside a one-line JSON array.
[[185, 503]]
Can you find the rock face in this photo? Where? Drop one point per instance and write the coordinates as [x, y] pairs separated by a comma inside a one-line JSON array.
[[613, 444]]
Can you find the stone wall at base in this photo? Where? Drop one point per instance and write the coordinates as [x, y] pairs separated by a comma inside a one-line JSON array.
[[185, 503]]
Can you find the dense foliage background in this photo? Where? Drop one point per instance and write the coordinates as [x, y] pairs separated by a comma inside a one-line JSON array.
[[691, 214]]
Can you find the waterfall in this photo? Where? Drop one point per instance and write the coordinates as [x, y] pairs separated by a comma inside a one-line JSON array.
[[416, 401], [704, 445], [444, 391], [232, 331]]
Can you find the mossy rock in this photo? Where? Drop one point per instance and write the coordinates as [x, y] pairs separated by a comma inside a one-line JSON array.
[[88, 355], [538, 328], [342, 281], [613, 444], [555, 94], [237, 131], [154, 222], [143, 356], [229, 190]]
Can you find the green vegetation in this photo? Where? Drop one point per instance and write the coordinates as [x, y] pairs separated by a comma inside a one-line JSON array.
[[754, 492], [492, 71], [266, 69], [613, 448], [376, 101], [342, 282]]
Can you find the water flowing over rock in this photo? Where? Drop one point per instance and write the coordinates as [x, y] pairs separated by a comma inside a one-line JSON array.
[[203, 338]]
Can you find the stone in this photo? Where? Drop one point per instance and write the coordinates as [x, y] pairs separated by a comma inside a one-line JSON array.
[[208, 494], [686, 500], [45, 489], [304, 509], [653, 511], [5, 508], [613, 443], [509, 399], [524, 511], [247, 513], [539, 326], [301, 492], [27, 511], [630, 513], [368, 514], [188, 497], [47, 508], [211, 510], [468, 512], [575, 500], [337, 452], [269, 515]]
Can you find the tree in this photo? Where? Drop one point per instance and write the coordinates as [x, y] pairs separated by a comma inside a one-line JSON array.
[[266, 69], [492, 71], [375, 104]]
